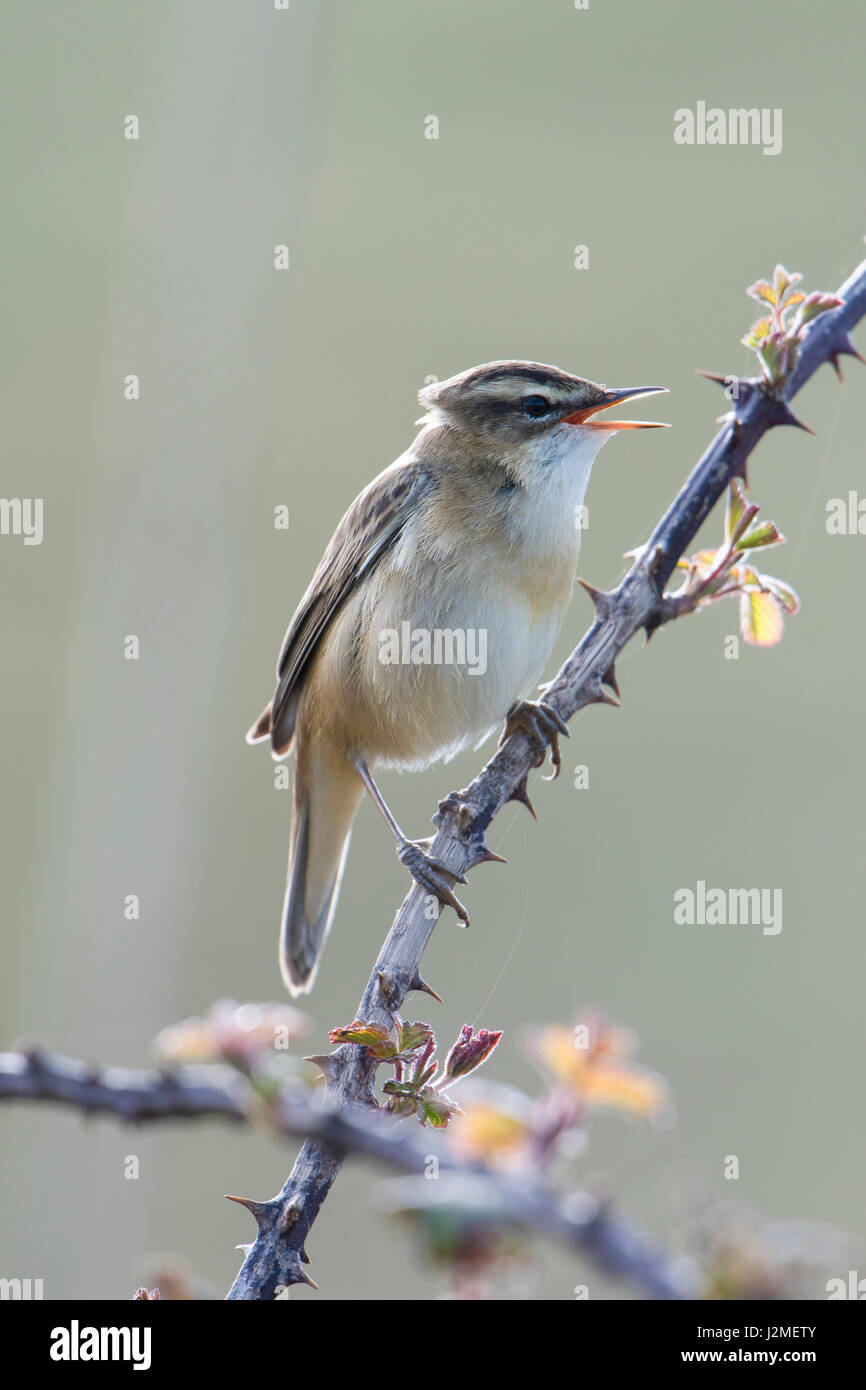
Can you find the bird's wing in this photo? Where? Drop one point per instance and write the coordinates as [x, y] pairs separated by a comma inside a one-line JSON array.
[[373, 523]]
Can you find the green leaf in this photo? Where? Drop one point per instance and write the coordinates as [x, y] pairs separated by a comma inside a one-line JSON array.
[[400, 1088], [765, 533], [437, 1109], [736, 505], [413, 1036], [773, 355]]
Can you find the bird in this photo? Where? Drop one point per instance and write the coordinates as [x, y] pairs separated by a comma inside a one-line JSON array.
[[430, 618]]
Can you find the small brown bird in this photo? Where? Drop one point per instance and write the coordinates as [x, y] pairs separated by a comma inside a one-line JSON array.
[[431, 616]]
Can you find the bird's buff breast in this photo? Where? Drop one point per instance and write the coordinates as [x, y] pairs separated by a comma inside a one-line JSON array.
[[429, 659]]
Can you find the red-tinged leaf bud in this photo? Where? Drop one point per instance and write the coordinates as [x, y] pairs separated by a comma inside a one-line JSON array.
[[469, 1051]]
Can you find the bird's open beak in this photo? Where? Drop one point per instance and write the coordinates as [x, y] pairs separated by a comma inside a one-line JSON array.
[[625, 393]]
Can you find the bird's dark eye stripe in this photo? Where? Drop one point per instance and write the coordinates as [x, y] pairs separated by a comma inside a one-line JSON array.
[[534, 406]]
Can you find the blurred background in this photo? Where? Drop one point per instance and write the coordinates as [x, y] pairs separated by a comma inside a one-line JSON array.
[[409, 258]]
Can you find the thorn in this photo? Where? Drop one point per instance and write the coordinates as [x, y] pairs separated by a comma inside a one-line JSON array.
[[601, 600], [784, 415], [486, 856], [423, 988], [257, 1209], [324, 1061], [522, 795], [844, 348], [303, 1254], [244, 1249], [603, 698], [738, 389], [304, 1278], [609, 678]]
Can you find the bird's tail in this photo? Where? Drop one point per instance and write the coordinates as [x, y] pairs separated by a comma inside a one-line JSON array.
[[325, 796]]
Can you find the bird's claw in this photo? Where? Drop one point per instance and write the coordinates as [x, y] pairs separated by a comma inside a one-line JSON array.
[[543, 724], [432, 875]]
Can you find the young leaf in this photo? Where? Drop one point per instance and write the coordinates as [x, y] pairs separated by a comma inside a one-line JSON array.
[[761, 620], [762, 290], [413, 1036], [469, 1051], [814, 305], [736, 505], [784, 593], [436, 1109], [370, 1035], [757, 334], [766, 533], [782, 279]]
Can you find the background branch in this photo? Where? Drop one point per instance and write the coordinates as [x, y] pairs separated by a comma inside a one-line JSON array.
[[579, 1220], [639, 602]]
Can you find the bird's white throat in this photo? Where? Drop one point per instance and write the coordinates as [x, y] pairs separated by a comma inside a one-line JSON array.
[[556, 472]]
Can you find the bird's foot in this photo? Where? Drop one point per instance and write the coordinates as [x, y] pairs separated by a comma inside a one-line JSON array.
[[543, 725], [432, 875]]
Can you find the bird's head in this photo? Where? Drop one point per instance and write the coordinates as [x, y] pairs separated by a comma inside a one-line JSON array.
[[527, 411]]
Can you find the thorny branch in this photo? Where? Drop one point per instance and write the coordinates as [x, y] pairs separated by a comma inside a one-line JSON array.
[[578, 1219], [277, 1255]]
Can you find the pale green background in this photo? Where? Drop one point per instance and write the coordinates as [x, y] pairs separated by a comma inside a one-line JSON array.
[[409, 257]]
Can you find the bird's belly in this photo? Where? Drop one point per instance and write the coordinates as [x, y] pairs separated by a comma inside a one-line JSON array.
[[438, 678]]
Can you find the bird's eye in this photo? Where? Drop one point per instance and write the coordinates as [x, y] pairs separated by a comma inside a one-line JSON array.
[[534, 406]]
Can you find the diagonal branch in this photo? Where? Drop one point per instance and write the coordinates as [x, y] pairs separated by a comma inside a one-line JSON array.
[[639, 602], [578, 1219]]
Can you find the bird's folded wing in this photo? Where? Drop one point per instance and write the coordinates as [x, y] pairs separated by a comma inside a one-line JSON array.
[[373, 523]]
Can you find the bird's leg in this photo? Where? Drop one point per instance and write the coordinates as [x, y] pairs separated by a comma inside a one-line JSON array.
[[431, 874], [543, 725]]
